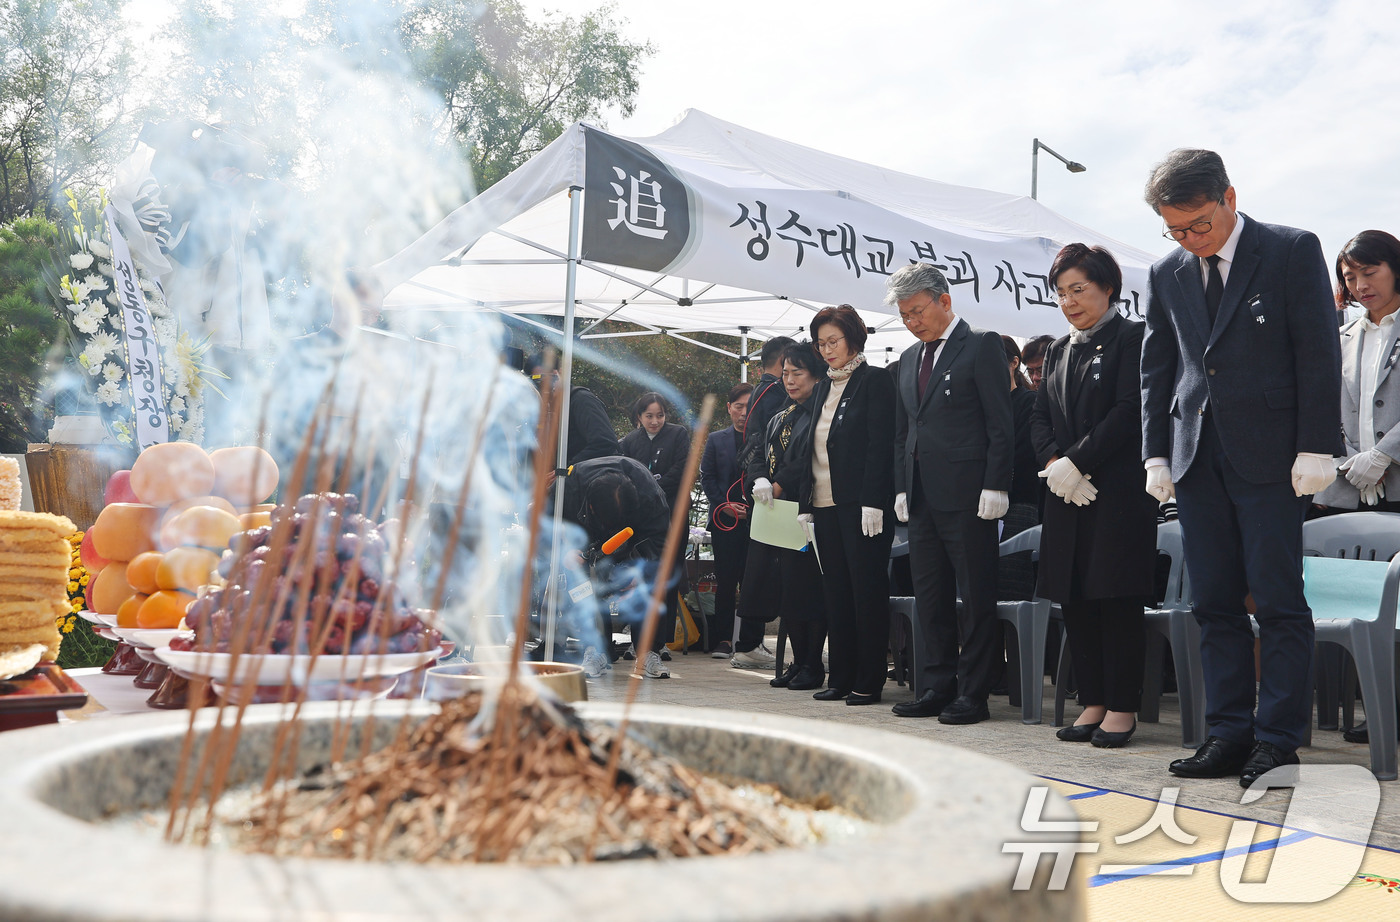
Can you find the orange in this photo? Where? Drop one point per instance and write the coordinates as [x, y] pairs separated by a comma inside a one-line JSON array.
[[199, 526], [250, 520], [246, 474], [163, 610], [124, 530], [171, 471], [110, 589], [185, 568], [126, 615], [141, 572], [218, 502]]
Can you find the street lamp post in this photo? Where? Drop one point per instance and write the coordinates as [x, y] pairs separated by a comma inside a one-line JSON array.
[[1036, 147]]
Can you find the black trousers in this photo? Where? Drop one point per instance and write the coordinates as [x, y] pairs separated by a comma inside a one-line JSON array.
[[1108, 641], [730, 549], [807, 639], [856, 586], [1247, 538], [953, 554]]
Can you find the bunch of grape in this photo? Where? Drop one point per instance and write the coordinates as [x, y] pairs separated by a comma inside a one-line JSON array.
[[337, 586]]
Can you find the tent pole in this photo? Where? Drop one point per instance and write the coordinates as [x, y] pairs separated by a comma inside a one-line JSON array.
[[744, 354], [566, 369]]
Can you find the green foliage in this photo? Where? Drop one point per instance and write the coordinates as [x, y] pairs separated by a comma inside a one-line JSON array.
[[65, 99], [28, 327]]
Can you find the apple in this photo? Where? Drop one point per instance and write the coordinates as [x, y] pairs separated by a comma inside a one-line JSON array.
[[119, 489], [92, 561], [87, 593]]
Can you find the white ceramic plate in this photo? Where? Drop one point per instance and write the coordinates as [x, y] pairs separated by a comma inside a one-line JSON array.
[[276, 669], [91, 616], [153, 638], [104, 620]]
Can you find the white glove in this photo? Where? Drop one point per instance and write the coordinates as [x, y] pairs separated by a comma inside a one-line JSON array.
[[805, 518], [1061, 477], [901, 507], [1082, 493], [763, 491], [1312, 473], [992, 504], [872, 521], [1159, 483], [1366, 468], [1373, 494]]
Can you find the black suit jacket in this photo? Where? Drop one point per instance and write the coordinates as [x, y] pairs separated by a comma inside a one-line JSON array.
[[591, 433], [1089, 410], [664, 456], [1270, 367], [860, 442], [719, 467], [962, 431]]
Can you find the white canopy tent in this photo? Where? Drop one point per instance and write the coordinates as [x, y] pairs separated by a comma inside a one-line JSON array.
[[711, 227]]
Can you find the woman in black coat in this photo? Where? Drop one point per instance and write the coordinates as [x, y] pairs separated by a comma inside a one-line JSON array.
[[780, 581], [1099, 535], [851, 501], [661, 447]]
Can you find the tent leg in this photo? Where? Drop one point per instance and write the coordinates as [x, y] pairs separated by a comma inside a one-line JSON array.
[[744, 354], [566, 367]]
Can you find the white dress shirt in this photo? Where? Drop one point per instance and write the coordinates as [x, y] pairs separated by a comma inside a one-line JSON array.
[[1374, 337]]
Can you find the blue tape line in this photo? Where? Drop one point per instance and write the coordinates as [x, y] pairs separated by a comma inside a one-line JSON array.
[[1098, 880]]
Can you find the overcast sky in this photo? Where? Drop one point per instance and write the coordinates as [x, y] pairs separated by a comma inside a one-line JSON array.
[[1299, 96]]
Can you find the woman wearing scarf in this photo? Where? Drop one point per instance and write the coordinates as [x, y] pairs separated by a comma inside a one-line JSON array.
[[850, 500], [1098, 541]]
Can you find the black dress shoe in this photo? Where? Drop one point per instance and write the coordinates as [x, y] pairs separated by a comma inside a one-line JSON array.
[[1076, 733], [806, 679], [855, 700], [965, 710], [1111, 739], [782, 681], [1265, 758], [1357, 734], [1217, 758], [926, 705], [831, 694]]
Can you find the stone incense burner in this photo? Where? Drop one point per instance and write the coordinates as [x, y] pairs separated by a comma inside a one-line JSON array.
[[941, 816]]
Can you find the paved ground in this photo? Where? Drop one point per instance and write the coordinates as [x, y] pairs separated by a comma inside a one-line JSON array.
[[1138, 769]]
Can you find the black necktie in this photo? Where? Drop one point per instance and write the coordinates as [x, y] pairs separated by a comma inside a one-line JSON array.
[[926, 366], [1215, 287]]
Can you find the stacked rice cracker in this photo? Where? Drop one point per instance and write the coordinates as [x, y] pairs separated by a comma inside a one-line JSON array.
[[34, 560]]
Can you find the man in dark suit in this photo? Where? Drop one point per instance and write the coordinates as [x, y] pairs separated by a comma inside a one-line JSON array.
[[768, 398], [591, 434], [1241, 377], [722, 480], [954, 444]]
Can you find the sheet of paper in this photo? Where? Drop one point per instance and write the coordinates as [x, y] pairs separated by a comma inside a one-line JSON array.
[[777, 525]]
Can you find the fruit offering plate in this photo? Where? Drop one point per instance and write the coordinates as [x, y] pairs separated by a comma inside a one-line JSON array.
[[280, 668], [100, 620], [37, 696]]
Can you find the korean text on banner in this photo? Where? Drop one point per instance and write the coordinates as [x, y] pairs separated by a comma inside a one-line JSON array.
[[138, 337]]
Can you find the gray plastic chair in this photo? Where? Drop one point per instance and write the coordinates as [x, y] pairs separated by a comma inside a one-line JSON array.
[[902, 611], [1353, 604], [1355, 536], [1175, 623], [1031, 619]]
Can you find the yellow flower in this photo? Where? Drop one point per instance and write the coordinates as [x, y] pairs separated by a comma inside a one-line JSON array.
[[68, 627], [83, 580], [72, 585]]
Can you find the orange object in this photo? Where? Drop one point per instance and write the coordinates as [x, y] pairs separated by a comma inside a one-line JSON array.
[[199, 526], [141, 572], [617, 540], [247, 475], [218, 502], [126, 615], [124, 530], [171, 471], [250, 520], [110, 589], [185, 568], [163, 610]]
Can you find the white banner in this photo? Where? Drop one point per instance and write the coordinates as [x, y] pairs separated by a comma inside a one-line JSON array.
[[139, 340], [702, 221]]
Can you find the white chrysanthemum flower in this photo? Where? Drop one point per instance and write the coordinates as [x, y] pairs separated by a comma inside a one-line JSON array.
[[106, 268], [80, 261], [95, 282], [113, 372], [112, 299], [87, 323], [177, 404], [105, 342], [94, 360], [109, 392], [182, 389], [99, 249], [147, 285], [166, 329], [80, 289]]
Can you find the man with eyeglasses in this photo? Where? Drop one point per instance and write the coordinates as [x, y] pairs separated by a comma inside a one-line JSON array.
[[1241, 372], [954, 448]]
